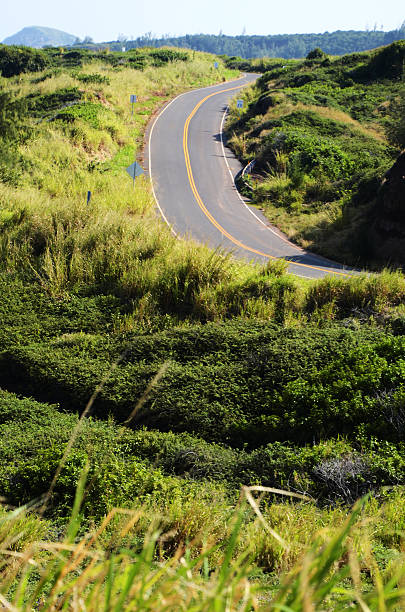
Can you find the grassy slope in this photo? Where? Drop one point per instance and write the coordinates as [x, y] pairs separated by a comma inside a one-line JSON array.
[[85, 285], [317, 130]]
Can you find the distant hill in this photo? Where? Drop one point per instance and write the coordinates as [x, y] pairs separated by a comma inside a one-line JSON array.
[[277, 45], [38, 36]]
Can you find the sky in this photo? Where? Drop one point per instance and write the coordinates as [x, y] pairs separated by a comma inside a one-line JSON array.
[[104, 20]]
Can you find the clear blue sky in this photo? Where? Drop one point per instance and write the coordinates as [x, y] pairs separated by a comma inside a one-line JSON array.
[[104, 20]]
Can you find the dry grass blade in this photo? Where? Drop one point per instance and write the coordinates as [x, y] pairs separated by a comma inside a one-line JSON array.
[[278, 492], [7, 605], [155, 380], [247, 492]]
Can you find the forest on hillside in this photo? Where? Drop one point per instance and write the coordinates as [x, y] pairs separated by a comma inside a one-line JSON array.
[[278, 45]]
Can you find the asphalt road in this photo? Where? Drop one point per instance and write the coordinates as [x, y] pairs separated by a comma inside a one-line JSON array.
[[193, 180]]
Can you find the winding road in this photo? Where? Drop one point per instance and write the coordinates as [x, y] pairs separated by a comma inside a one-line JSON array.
[[192, 175]]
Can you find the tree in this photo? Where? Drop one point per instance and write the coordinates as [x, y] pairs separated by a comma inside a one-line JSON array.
[[316, 54]]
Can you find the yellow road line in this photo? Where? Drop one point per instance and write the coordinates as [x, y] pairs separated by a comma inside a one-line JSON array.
[[206, 211]]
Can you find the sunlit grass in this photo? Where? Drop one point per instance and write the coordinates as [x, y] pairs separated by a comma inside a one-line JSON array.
[[131, 561]]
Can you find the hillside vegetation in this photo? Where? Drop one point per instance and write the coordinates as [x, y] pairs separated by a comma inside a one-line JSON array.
[[324, 132], [159, 377], [274, 45]]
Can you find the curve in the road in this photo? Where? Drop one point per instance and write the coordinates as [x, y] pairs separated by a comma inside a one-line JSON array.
[[176, 198]]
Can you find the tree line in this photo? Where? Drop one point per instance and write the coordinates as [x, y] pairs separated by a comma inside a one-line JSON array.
[[279, 45]]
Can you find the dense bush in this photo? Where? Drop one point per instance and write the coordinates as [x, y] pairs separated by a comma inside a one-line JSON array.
[[386, 63], [236, 383], [315, 128], [11, 165], [163, 56], [40, 104], [12, 117], [15, 60], [87, 111], [314, 154], [13, 131], [126, 466], [94, 77], [316, 54], [396, 123]]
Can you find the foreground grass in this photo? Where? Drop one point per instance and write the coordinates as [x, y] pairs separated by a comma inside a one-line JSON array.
[[120, 566]]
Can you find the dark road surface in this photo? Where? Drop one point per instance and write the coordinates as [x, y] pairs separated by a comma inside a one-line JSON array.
[[193, 180]]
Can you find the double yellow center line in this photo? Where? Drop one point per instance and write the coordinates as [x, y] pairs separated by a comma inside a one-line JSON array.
[[204, 208]]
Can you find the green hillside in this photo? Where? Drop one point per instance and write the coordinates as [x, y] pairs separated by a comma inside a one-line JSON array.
[[324, 132], [39, 36], [147, 385]]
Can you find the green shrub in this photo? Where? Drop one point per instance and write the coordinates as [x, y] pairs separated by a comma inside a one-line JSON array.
[[75, 57], [40, 104], [138, 62], [223, 382], [315, 154], [16, 60], [395, 127], [12, 118], [94, 77], [385, 63], [13, 130], [159, 57], [12, 166], [140, 464], [316, 54], [87, 111]]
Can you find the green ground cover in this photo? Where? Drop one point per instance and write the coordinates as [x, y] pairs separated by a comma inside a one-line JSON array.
[[324, 131]]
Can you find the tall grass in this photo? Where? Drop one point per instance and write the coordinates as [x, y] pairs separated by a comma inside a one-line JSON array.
[[118, 565], [116, 244], [371, 294]]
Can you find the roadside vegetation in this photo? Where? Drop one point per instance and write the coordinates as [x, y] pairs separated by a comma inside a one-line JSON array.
[[324, 131], [156, 379]]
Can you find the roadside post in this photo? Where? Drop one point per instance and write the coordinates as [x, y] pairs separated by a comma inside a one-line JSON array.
[[132, 100], [88, 196]]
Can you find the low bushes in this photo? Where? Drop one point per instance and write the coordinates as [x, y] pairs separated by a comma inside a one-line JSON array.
[[325, 118], [16, 60], [127, 466], [42, 104], [235, 383]]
